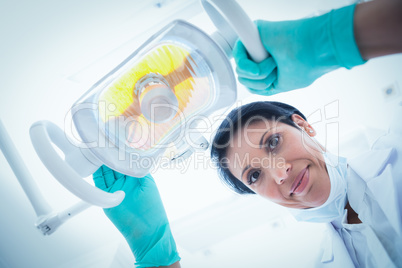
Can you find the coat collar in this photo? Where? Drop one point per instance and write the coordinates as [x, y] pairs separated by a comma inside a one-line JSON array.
[[369, 165], [376, 174]]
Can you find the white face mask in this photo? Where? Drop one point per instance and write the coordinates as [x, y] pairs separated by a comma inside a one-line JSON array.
[[335, 204]]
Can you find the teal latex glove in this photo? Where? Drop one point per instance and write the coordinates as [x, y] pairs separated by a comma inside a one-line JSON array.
[[300, 52], [141, 217]]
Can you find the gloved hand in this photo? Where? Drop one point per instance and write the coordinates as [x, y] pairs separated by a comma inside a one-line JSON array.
[[141, 217], [300, 52]]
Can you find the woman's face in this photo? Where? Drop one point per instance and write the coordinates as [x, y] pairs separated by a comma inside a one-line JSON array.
[[280, 162]]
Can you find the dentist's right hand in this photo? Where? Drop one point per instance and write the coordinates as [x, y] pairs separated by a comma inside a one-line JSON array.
[[300, 52], [140, 218]]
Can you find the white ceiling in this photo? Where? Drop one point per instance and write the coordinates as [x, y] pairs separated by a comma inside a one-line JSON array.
[[51, 51]]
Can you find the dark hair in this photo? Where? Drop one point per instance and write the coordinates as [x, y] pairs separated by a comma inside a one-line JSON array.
[[236, 119]]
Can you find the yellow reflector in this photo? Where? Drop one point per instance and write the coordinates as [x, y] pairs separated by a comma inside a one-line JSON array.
[[187, 75]]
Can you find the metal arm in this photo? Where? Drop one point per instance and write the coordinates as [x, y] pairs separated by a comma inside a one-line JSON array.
[[25, 179], [48, 220]]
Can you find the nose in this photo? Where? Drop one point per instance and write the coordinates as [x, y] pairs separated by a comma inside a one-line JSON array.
[[281, 173]]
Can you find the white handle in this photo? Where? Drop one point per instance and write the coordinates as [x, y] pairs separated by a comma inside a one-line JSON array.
[[233, 22], [43, 135]]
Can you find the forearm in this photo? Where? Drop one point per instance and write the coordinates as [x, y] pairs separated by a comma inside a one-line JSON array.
[[378, 28]]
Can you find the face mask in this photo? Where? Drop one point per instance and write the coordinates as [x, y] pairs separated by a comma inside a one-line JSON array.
[[335, 204]]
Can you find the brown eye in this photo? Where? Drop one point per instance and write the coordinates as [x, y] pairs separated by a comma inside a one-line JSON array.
[[273, 142], [253, 177]]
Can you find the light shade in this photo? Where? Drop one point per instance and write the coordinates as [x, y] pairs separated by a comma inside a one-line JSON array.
[[180, 60]]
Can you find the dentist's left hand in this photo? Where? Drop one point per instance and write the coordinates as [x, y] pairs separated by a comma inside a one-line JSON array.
[[141, 217]]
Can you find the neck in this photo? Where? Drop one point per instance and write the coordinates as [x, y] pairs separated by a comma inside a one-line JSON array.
[[353, 217]]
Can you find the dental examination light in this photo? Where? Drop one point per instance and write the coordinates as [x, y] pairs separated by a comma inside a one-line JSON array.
[[152, 100]]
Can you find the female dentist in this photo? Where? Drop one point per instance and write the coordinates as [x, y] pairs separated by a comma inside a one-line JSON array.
[[301, 51]]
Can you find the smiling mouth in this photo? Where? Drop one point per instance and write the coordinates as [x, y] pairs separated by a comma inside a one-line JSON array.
[[300, 182]]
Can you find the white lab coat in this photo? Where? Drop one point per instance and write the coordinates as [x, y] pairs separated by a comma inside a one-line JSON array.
[[375, 193]]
